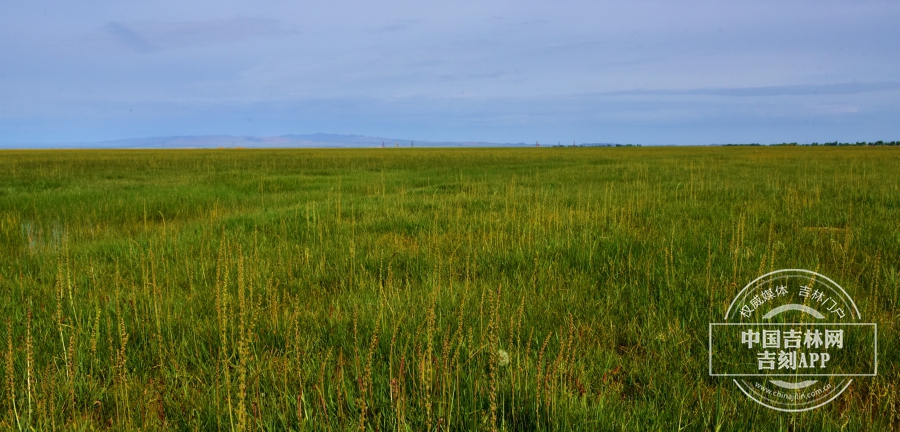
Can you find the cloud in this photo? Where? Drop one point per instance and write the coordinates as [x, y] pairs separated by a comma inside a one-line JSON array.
[[395, 26], [784, 90], [129, 38], [149, 36]]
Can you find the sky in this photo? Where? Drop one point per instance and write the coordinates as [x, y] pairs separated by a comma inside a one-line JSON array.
[[649, 72]]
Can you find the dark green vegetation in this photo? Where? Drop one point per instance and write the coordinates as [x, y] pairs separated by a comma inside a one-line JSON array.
[[416, 289]]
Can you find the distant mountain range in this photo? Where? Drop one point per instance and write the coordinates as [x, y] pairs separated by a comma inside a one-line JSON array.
[[317, 140]]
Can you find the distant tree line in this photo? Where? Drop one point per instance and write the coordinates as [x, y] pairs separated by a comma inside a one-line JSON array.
[[597, 145], [832, 144], [858, 143]]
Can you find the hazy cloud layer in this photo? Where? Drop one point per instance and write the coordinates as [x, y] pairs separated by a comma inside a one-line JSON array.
[[129, 38], [148, 36], [643, 71], [785, 90]]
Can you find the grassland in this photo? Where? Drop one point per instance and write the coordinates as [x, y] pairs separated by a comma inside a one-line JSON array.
[[423, 289]]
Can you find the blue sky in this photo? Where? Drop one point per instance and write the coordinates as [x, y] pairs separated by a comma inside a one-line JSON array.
[[651, 72]]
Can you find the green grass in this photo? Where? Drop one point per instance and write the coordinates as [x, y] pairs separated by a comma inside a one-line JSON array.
[[375, 289]]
